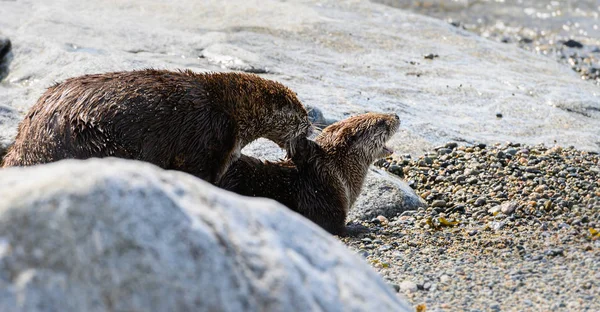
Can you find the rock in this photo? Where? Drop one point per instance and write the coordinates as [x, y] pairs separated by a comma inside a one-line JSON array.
[[264, 149], [315, 116], [444, 279], [495, 210], [444, 151], [451, 145], [231, 57], [438, 203], [408, 286], [508, 208], [119, 235], [480, 201], [573, 44], [385, 195]]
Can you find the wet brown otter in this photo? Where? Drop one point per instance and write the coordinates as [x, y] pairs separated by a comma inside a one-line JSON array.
[[185, 121], [323, 178]]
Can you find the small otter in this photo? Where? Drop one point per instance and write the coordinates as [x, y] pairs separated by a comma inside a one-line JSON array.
[[324, 178], [185, 121]]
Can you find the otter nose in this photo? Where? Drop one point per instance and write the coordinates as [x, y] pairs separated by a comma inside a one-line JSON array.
[[396, 116]]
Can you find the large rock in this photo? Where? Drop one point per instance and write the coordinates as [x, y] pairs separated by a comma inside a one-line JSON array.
[[117, 235], [345, 57], [385, 195]]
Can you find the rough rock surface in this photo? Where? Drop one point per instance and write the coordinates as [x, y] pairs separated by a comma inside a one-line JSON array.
[[343, 57], [385, 195], [127, 236]]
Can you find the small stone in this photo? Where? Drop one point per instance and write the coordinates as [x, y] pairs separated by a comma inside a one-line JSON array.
[[461, 178], [444, 279], [573, 44], [511, 151], [363, 253], [470, 172], [472, 181], [498, 115], [408, 286], [430, 56], [497, 225], [426, 285], [397, 170], [444, 151], [480, 201], [451, 145], [408, 213], [495, 210], [385, 248], [438, 203], [473, 232], [396, 287], [382, 219], [508, 208]]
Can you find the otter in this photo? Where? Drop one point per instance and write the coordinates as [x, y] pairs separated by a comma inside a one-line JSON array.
[[324, 177], [180, 120]]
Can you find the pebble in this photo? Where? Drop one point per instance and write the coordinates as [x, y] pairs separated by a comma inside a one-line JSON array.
[[438, 203], [408, 286], [444, 279], [480, 201], [501, 237]]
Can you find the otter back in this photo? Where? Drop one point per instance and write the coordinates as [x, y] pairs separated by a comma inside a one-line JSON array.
[[195, 123]]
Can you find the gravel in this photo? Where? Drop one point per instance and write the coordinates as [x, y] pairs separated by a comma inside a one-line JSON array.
[[524, 235]]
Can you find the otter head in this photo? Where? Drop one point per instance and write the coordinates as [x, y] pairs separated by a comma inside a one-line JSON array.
[[362, 137], [289, 122], [352, 144]]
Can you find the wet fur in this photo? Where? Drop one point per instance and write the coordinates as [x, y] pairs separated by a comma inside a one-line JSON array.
[[324, 177], [185, 121]]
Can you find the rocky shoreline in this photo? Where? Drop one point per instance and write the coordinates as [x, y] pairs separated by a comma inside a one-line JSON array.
[[562, 30], [506, 227]]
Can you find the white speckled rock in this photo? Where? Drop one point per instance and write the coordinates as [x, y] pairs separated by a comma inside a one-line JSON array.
[[117, 235]]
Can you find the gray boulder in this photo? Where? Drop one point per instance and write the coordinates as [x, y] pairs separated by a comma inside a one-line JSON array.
[[385, 195], [117, 235]]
